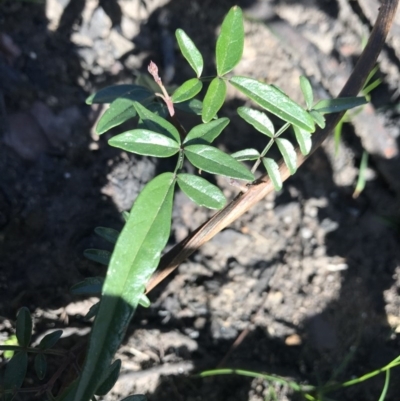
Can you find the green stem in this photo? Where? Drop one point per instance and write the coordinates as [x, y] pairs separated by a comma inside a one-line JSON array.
[[32, 350]]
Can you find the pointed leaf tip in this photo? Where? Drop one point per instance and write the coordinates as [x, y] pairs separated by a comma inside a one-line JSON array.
[[274, 101], [214, 99], [201, 191], [190, 51], [230, 41]]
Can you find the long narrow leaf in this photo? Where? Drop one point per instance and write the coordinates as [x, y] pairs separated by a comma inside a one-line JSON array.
[[136, 256], [274, 101], [230, 41]]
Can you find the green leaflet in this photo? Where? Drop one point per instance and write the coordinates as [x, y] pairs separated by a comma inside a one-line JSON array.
[[288, 153], [50, 339], [136, 256], [144, 142], [201, 191], [155, 123], [307, 91], [230, 41], [15, 372], [214, 161], [40, 366], [109, 234], [274, 101], [109, 378], [208, 131], [119, 111], [214, 99], [24, 327], [318, 118], [190, 51], [98, 255], [258, 120], [340, 104], [246, 154], [273, 172], [89, 286], [187, 90], [110, 93], [303, 139], [193, 106]]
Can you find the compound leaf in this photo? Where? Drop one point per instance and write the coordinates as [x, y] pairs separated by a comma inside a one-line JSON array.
[[340, 104], [214, 99], [23, 329], [154, 122], [201, 191], [288, 153], [246, 154], [303, 139], [208, 131], [187, 90], [274, 101], [212, 160], [230, 41], [135, 258], [273, 172], [190, 51], [258, 120]]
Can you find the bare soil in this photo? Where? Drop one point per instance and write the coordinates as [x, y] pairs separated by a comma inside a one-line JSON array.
[[310, 278]]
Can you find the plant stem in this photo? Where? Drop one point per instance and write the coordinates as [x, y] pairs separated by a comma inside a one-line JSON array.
[[263, 186]]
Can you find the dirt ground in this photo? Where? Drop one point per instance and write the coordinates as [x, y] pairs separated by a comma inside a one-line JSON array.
[[311, 275]]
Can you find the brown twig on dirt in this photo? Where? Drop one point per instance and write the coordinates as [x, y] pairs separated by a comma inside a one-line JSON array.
[[261, 187]]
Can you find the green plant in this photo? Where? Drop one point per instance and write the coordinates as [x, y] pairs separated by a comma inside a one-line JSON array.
[[308, 392], [138, 247]]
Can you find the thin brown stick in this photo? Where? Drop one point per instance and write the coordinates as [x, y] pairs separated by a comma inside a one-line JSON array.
[[263, 186]]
